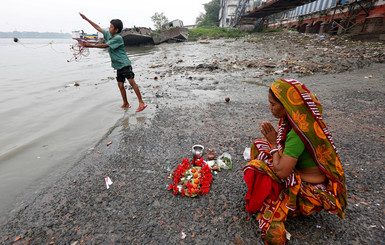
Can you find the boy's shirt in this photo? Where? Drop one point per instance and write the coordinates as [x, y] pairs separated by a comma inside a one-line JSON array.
[[119, 58]]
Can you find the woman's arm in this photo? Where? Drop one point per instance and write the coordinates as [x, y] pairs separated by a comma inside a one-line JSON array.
[[97, 27], [283, 166]]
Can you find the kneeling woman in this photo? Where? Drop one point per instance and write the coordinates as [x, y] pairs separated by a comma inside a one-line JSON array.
[[297, 169]]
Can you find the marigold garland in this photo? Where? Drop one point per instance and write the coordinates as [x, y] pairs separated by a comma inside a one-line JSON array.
[[191, 179]]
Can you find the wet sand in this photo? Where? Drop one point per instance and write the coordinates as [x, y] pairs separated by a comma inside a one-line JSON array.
[[187, 107]]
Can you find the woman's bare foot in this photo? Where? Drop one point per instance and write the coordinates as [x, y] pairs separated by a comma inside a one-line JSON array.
[[126, 106]]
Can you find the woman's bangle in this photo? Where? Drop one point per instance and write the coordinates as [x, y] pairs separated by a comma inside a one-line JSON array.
[[272, 151]]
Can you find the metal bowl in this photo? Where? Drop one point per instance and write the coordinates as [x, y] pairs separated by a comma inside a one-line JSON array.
[[197, 151]]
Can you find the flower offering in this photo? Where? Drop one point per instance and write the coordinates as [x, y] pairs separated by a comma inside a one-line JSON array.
[[191, 179]]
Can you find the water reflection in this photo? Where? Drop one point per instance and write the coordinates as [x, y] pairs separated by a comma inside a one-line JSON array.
[[142, 50]]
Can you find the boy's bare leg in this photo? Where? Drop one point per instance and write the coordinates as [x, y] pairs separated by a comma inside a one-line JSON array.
[[137, 92], [124, 95]]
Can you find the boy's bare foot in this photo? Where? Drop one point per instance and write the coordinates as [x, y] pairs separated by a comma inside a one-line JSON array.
[[126, 106]]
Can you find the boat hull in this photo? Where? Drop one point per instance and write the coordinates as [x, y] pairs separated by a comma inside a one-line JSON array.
[[136, 36], [133, 39], [177, 34]]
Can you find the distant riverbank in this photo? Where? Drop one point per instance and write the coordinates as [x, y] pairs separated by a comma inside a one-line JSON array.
[[26, 34]]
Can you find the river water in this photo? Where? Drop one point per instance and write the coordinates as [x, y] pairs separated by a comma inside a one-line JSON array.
[[47, 123]]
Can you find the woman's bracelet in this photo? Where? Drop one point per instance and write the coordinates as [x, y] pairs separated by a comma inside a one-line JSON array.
[[272, 151]]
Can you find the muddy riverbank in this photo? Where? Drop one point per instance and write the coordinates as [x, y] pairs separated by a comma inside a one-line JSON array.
[[185, 86]]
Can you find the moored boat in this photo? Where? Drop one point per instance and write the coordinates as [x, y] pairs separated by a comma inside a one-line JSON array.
[[173, 31], [136, 36], [174, 34], [81, 36]]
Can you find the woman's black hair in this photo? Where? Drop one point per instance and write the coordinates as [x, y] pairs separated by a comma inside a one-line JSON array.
[[118, 24], [274, 97]]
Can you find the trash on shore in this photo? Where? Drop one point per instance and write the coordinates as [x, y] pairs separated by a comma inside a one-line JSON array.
[[227, 99], [224, 161], [206, 66], [108, 182], [303, 56], [109, 143], [288, 235], [155, 66], [246, 154]]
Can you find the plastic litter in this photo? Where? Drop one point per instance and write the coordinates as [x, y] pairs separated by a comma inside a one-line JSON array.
[[288, 235], [246, 154], [224, 161], [108, 182], [210, 163]]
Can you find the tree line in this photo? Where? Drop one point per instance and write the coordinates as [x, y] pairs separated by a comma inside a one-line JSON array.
[[209, 18]]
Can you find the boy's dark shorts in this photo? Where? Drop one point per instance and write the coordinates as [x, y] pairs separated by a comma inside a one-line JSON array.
[[125, 72]]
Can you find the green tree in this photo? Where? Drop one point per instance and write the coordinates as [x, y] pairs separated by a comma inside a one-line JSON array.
[[200, 18], [159, 20], [210, 18]]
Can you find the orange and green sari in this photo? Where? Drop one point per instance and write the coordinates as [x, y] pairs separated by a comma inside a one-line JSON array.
[[274, 198]]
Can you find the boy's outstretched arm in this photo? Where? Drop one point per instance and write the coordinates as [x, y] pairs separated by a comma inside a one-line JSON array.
[[90, 45], [97, 27]]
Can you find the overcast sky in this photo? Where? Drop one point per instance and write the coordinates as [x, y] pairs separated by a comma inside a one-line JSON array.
[[62, 15]]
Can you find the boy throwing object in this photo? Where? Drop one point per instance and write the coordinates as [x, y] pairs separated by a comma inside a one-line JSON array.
[[119, 59]]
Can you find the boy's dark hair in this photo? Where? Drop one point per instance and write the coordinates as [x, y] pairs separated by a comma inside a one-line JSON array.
[[118, 24]]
